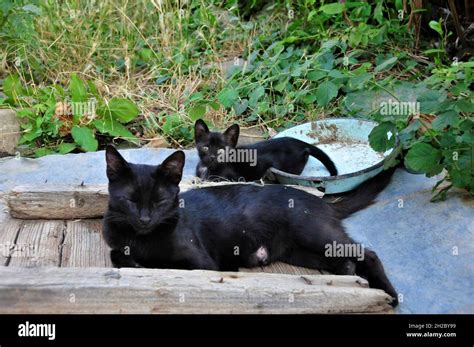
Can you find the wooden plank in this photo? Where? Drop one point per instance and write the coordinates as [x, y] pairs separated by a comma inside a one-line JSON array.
[[38, 244], [57, 201], [9, 229], [102, 290], [51, 201], [84, 245], [282, 268]]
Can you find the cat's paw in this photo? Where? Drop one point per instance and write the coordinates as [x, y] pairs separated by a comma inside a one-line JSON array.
[[121, 260]]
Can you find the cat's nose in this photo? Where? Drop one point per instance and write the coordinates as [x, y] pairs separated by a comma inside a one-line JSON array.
[[145, 220]]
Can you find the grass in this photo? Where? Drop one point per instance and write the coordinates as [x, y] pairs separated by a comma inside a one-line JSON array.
[[150, 51], [160, 53]]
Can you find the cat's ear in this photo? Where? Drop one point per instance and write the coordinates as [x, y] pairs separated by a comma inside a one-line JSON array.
[[232, 134], [172, 167], [116, 164], [200, 130]]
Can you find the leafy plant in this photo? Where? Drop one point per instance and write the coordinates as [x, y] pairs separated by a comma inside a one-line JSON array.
[[441, 51], [441, 136], [58, 120]]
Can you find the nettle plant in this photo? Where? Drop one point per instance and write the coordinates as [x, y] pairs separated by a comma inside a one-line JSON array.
[[438, 137], [299, 69], [58, 120]]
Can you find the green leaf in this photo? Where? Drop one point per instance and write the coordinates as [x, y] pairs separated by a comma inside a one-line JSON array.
[[399, 5], [123, 110], [430, 100], [215, 105], [196, 112], [386, 64], [392, 159], [240, 106], [12, 87], [326, 92], [197, 96], [316, 75], [227, 97], [32, 8], [64, 147], [382, 137], [436, 26], [255, 95], [172, 121], [146, 54], [282, 85], [378, 14], [77, 89], [334, 8], [423, 157], [433, 50], [448, 118], [84, 137], [114, 128], [41, 152], [31, 135], [357, 82], [465, 105]]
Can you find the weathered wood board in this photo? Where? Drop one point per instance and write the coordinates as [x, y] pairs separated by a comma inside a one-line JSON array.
[[105, 290], [9, 230], [38, 244], [50, 201], [84, 245], [282, 268]]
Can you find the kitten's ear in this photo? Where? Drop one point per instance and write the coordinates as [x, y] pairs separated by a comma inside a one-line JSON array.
[[200, 130], [116, 165], [172, 167], [232, 134]]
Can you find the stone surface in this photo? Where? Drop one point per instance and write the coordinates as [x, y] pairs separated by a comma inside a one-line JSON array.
[[9, 132]]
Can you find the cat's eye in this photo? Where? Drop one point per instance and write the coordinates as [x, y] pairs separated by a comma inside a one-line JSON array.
[[205, 149]]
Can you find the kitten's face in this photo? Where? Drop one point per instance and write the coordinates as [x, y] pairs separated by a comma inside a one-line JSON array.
[[210, 144], [143, 196]]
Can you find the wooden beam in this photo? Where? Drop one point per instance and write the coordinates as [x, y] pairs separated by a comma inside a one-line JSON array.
[[52, 201], [104, 290]]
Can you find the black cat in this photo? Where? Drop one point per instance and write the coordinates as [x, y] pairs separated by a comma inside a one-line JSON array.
[[148, 223], [286, 154]]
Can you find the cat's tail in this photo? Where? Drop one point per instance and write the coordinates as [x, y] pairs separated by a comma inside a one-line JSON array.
[[363, 196], [323, 158]]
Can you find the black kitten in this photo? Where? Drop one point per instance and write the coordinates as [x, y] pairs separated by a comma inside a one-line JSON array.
[[148, 223], [252, 161]]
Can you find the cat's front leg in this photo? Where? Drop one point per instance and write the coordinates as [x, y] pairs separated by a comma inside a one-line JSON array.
[[119, 259]]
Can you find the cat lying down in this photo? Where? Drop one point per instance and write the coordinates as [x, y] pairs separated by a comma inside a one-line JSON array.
[[150, 224], [221, 159]]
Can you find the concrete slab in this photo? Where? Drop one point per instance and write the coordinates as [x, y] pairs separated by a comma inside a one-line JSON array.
[[426, 248]]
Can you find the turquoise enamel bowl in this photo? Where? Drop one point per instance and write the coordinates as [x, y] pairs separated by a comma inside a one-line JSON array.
[[345, 141]]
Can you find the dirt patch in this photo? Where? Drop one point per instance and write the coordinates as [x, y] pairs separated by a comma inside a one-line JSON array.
[[324, 133]]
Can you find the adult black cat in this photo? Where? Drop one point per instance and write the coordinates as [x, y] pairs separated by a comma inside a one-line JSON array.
[[148, 223], [286, 154]]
